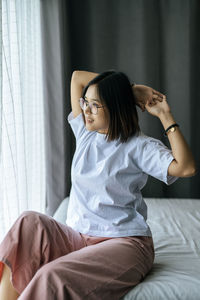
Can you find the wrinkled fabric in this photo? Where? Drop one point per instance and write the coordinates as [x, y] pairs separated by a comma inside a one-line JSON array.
[[175, 225], [107, 178], [51, 260]]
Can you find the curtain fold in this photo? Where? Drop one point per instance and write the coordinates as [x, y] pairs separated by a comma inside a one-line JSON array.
[[56, 77], [22, 164], [155, 42]]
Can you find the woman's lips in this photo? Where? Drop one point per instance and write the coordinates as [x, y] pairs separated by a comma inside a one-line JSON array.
[[89, 120]]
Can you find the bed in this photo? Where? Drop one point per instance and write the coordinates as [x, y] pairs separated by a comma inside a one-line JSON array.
[[175, 225]]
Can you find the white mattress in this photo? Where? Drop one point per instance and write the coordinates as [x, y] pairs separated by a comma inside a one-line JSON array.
[[175, 225]]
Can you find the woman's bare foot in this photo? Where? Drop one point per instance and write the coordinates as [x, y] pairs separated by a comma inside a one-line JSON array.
[[7, 291]]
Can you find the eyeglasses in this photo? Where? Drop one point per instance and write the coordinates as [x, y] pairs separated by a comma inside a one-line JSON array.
[[93, 106]]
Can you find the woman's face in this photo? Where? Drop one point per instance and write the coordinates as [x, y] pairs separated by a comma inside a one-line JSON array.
[[96, 122]]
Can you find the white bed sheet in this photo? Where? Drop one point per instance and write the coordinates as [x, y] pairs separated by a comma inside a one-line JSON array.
[[175, 225]]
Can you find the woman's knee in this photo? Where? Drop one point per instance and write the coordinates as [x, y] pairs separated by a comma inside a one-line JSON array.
[[30, 222], [28, 214], [32, 217]]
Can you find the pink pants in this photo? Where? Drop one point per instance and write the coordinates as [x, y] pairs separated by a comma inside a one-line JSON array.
[[49, 260]]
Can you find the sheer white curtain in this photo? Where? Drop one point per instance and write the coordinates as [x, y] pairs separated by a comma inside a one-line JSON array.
[[22, 163]]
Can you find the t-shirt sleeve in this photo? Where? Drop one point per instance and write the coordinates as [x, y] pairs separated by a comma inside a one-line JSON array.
[[77, 124], [155, 159]]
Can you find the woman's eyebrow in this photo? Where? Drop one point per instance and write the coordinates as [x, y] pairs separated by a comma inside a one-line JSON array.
[[92, 99]]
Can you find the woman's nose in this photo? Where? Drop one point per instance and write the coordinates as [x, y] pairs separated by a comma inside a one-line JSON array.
[[88, 109]]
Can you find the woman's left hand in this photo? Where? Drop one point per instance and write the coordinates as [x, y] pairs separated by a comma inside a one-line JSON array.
[[158, 108], [146, 95]]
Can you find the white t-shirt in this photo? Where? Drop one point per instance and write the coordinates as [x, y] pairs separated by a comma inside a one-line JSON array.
[[107, 178]]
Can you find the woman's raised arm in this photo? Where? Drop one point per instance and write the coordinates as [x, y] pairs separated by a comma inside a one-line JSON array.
[[78, 81], [183, 164]]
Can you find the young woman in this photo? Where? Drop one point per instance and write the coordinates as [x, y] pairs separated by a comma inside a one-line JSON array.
[[106, 248]]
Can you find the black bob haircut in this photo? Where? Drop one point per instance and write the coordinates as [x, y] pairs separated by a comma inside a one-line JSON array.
[[115, 91]]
